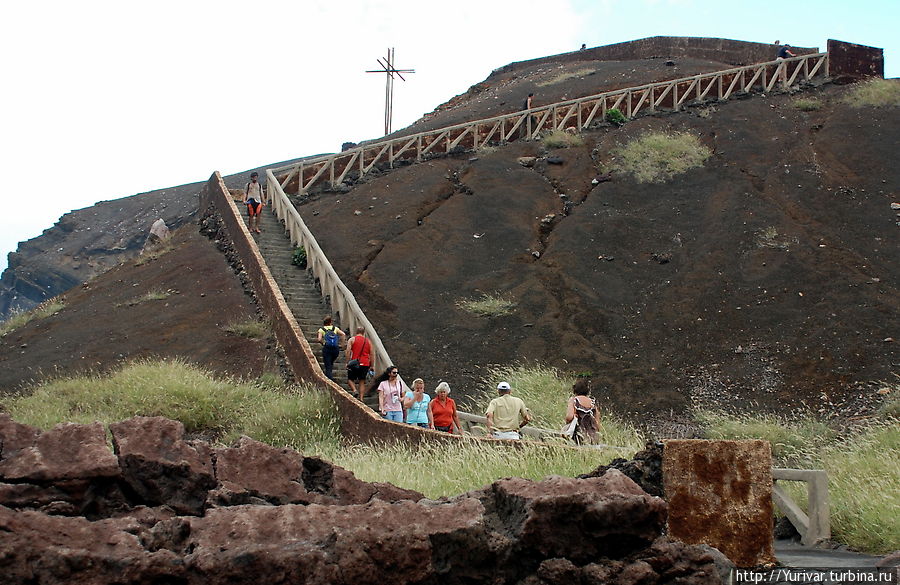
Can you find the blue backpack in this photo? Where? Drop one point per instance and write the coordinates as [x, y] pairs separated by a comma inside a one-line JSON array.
[[331, 337]]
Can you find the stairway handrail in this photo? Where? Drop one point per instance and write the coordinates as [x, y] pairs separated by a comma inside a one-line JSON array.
[[404, 142], [343, 303]]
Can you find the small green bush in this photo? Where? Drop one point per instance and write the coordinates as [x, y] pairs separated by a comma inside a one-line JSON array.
[[656, 156], [488, 305], [875, 92], [298, 258], [562, 139], [42, 311], [615, 116], [807, 104]]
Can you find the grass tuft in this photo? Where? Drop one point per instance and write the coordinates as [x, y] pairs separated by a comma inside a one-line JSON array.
[[807, 104], [251, 328], [155, 252], [42, 311], [565, 76], [656, 156], [875, 92], [488, 305], [562, 139], [770, 238]]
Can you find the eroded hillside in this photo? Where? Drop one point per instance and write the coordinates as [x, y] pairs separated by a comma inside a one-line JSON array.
[[767, 277]]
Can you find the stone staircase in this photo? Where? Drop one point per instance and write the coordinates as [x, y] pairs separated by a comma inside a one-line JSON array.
[[298, 287]]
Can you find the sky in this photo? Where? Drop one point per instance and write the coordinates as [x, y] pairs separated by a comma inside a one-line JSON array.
[[105, 99]]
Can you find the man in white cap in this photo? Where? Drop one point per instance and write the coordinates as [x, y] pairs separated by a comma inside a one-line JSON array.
[[506, 414]]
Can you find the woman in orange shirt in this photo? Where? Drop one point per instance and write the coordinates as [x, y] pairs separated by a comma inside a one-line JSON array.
[[442, 414]]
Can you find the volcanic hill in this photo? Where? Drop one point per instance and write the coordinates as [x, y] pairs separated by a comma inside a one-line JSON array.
[[765, 279]]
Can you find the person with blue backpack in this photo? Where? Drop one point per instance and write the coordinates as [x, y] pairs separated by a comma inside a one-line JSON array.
[[331, 339]]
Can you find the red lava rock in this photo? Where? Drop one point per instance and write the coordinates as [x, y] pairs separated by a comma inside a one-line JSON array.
[[160, 467], [336, 530], [51, 455]]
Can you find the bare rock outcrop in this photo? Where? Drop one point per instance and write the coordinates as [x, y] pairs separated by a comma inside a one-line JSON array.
[[173, 510]]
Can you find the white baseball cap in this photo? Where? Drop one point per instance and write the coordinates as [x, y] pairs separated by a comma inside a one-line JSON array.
[[503, 386]]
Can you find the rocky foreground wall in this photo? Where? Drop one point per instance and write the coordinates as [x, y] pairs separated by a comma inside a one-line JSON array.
[[159, 508]]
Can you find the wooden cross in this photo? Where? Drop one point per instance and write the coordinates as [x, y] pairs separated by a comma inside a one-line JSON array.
[[387, 67]]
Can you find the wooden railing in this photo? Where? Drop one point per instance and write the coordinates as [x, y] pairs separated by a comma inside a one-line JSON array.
[[578, 113], [814, 525]]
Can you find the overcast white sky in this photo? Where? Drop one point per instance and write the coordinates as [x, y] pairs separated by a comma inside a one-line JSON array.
[[104, 99]]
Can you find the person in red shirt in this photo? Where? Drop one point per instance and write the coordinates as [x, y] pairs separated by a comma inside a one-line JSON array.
[[359, 362], [442, 415]]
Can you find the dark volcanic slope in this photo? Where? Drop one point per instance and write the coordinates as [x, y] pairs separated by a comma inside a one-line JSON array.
[[110, 320], [769, 276]]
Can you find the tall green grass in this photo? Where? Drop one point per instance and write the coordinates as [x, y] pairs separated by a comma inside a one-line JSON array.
[[863, 469], [299, 417], [546, 391], [875, 92], [449, 469], [42, 311]]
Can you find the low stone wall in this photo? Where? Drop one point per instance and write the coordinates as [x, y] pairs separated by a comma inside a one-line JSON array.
[[848, 62], [358, 422], [722, 50]]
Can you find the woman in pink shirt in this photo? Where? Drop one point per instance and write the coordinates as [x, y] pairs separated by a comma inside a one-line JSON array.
[[390, 395]]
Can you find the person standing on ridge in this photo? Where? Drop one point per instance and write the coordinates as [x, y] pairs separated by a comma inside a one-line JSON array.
[[331, 339], [506, 414], [359, 362], [254, 199]]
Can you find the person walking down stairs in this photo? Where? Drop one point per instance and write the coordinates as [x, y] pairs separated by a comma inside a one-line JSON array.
[[332, 339], [255, 200]]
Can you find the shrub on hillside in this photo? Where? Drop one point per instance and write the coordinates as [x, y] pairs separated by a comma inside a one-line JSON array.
[[615, 116], [657, 156], [875, 92]]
